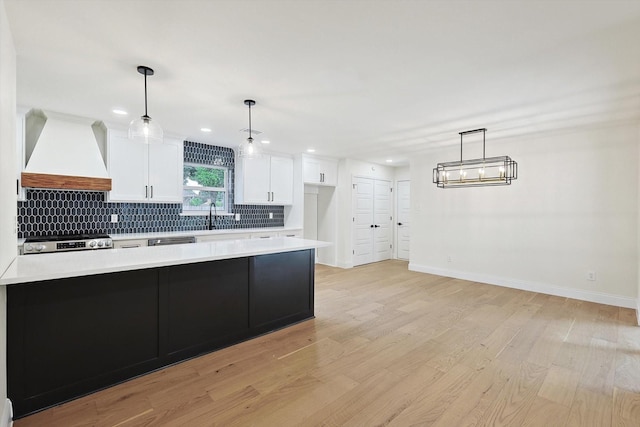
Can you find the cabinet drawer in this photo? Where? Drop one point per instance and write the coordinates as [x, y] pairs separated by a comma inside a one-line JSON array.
[[264, 235], [126, 244]]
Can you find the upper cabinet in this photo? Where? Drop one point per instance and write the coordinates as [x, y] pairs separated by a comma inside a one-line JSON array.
[[319, 171], [144, 172], [265, 180]]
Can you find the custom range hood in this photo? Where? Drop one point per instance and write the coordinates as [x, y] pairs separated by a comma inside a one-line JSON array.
[[64, 152]]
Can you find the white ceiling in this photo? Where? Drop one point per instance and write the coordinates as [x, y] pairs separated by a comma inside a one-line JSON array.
[[369, 80]]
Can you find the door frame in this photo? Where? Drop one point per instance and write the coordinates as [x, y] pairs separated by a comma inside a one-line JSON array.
[[396, 216]]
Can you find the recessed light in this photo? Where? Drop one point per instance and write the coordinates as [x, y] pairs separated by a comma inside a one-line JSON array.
[[389, 160], [205, 129], [311, 150], [266, 142], [119, 112]]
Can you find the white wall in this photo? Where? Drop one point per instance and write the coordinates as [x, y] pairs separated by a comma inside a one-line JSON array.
[[327, 211], [402, 173], [294, 214], [638, 261], [573, 208], [347, 169], [310, 230], [8, 237]]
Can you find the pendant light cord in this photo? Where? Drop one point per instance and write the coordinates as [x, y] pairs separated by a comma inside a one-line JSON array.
[[250, 136], [146, 114]]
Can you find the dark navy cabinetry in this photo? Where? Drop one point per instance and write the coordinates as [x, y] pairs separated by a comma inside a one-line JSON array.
[[69, 337]]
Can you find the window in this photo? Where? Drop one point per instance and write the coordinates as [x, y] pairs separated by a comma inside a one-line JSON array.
[[201, 185]]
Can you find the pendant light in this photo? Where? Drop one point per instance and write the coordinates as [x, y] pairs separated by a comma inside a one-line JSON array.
[[249, 148], [487, 171], [144, 129]]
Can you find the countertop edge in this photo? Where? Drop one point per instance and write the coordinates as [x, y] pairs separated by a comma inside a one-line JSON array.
[[38, 268]]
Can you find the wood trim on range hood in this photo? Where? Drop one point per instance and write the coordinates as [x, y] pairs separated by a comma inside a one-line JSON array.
[[65, 182]]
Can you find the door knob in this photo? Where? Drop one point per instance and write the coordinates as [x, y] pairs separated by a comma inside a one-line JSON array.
[[377, 226], [371, 225], [399, 223]]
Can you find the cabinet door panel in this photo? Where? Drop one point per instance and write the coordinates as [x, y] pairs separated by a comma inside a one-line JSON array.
[[282, 180], [208, 304], [128, 169], [281, 288], [71, 333], [311, 170], [329, 170], [256, 179], [165, 172]]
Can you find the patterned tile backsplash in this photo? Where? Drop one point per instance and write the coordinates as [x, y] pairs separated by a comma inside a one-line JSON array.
[[46, 212]]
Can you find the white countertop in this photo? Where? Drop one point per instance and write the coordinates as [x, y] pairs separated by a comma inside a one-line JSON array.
[[33, 268]]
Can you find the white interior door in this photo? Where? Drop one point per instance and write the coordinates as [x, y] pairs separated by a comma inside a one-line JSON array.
[[403, 190], [382, 217], [372, 219], [363, 226]]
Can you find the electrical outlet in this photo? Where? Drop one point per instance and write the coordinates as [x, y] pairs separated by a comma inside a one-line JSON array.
[[591, 275], [114, 218], [237, 217], [270, 215]]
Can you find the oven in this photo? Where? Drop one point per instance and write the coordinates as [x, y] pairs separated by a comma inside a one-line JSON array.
[[66, 243]]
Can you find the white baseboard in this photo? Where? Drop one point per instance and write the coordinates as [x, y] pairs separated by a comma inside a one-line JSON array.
[[543, 288], [6, 416], [326, 263], [345, 265]]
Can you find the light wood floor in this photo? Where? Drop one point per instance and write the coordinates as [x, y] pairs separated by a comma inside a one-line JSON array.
[[393, 347]]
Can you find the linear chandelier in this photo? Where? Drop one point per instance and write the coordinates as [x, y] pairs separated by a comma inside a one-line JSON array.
[[487, 171]]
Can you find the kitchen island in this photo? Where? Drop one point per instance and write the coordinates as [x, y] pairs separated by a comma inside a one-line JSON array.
[[81, 321]]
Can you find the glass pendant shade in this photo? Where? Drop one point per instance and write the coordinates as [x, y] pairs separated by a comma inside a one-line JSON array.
[[249, 148], [145, 130]]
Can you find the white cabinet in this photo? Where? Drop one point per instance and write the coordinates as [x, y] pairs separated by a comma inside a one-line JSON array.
[[290, 233], [253, 180], [132, 243], [224, 236], [165, 171], [319, 171], [144, 172], [281, 178], [273, 234], [264, 235], [266, 180]]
